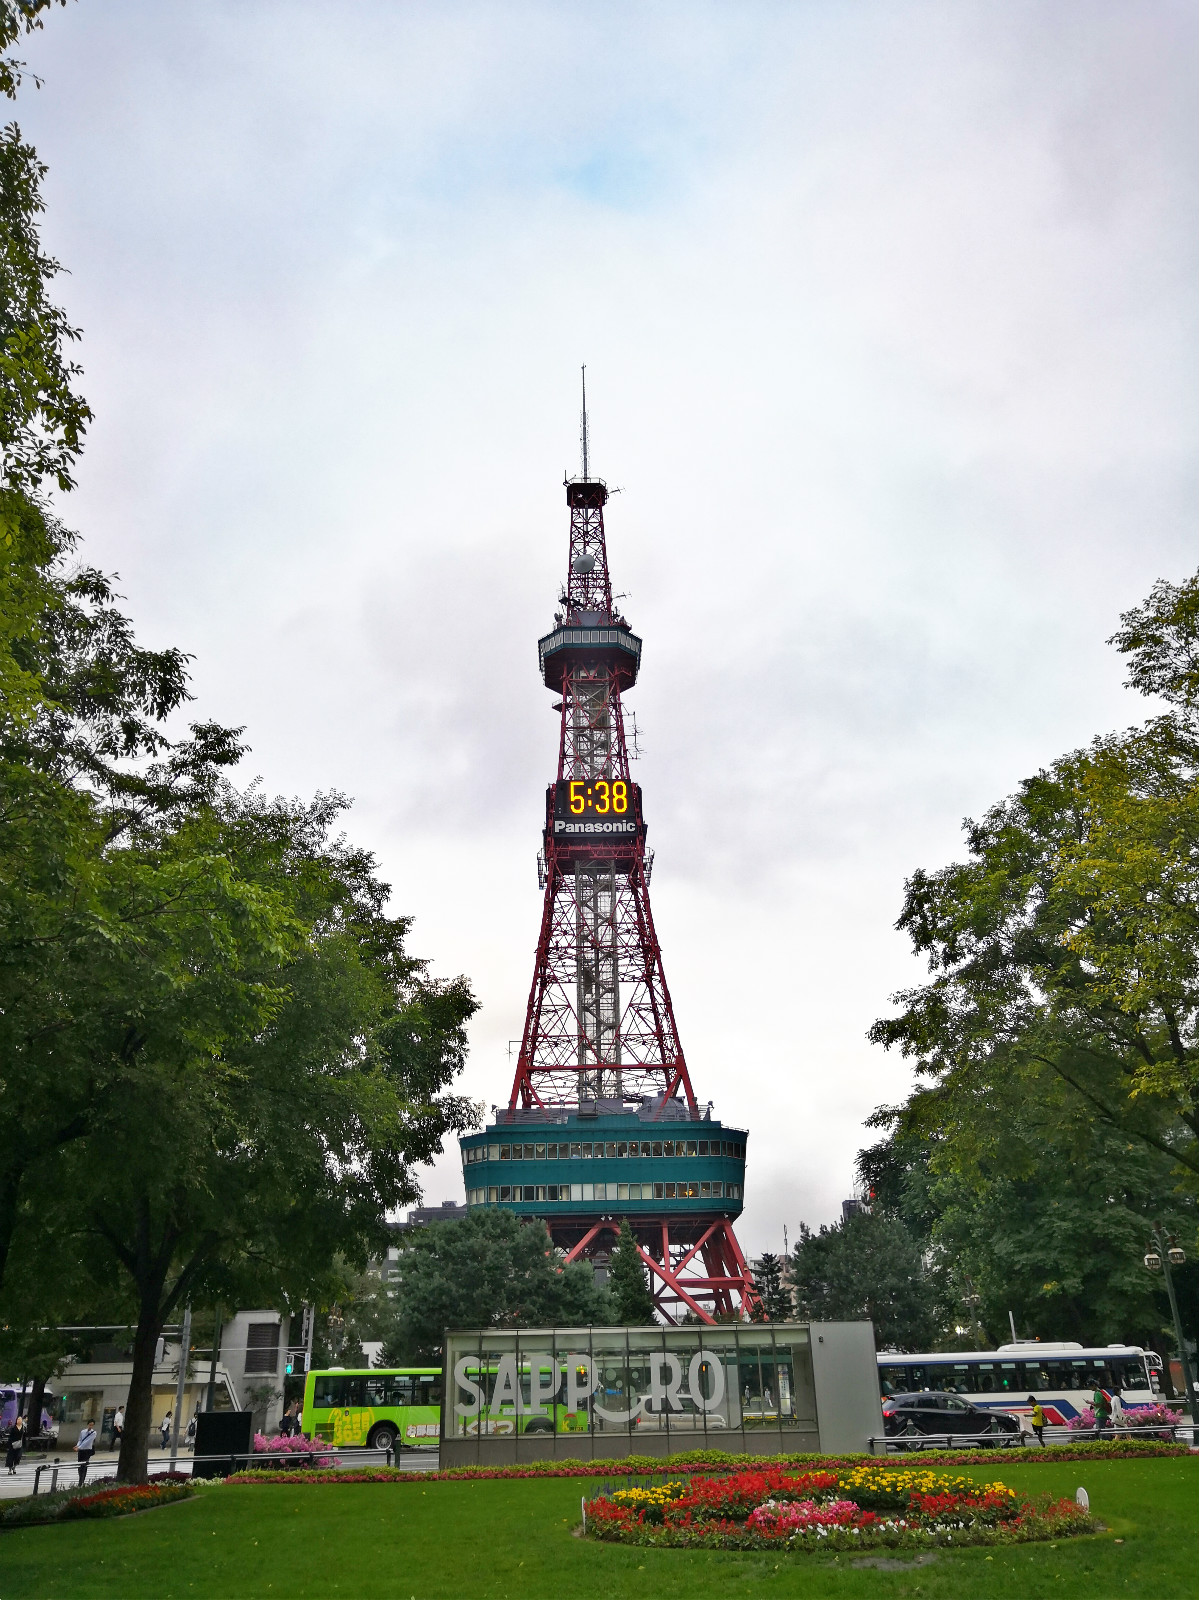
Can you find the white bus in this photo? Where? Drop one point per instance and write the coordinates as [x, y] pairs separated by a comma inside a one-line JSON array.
[[1063, 1377]]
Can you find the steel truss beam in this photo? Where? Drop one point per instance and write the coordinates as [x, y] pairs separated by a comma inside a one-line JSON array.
[[724, 1286]]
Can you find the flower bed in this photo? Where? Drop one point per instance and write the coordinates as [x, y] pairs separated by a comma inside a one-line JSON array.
[[281, 1445], [120, 1500], [853, 1508], [81, 1501], [1158, 1416]]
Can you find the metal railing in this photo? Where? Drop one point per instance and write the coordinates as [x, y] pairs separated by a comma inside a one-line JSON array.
[[346, 1457], [1055, 1433]]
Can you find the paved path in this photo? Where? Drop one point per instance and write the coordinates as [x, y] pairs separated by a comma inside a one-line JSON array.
[[103, 1467]]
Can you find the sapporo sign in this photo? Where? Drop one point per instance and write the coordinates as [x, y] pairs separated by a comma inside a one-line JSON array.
[[533, 1386]]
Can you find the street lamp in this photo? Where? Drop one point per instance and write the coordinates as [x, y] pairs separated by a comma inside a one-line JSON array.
[[1164, 1253]]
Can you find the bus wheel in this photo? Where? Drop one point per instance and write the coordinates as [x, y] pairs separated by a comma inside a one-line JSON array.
[[382, 1438]]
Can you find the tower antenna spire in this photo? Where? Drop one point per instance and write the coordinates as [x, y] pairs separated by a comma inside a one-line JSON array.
[[586, 473]]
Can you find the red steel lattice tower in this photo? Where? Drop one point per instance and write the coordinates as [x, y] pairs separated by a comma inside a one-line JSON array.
[[602, 1102]]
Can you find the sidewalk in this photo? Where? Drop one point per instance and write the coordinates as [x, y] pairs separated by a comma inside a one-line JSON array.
[[104, 1465]]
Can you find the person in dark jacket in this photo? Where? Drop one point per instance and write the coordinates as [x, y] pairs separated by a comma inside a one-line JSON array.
[[16, 1446]]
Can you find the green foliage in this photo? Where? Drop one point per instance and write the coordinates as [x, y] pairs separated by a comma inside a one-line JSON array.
[[1057, 1035], [1068, 942], [490, 1270], [632, 1302], [17, 17], [870, 1267], [775, 1302]]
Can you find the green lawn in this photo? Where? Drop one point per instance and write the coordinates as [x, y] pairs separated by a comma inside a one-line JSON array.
[[515, 1539]]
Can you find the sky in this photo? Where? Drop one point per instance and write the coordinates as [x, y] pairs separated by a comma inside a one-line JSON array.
[[888, 311]]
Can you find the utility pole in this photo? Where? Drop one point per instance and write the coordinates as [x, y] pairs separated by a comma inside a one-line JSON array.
[[1163, 1253], [184, 1352], [210, 1403]]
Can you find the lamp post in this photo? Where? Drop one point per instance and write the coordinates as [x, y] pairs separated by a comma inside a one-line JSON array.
[[1164, 1253]]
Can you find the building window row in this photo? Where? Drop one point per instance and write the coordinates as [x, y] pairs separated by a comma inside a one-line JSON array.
[[611, 1150], [499, 1194]]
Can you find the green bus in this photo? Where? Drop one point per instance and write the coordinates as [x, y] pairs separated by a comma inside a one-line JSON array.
[[382, 1408], [388, 1408]]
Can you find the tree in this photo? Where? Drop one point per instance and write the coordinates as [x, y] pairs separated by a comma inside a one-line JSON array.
[[1030, 1205], [632, 1302], [84, 765], [489, 1270], [289, 1067], [1069, 941], [866, 1267], [773, 1294]]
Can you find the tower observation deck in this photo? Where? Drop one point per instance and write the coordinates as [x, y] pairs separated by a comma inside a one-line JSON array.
[[602, 1123]]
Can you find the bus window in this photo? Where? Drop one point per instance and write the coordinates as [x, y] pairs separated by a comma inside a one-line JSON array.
[[895, 1378], [1129, 1373], [399, 1390], [428, 1391], [329, 1391]]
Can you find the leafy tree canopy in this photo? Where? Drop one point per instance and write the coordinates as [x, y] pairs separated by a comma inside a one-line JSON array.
[[867, 1266], [1069, 940], [490, 1270]]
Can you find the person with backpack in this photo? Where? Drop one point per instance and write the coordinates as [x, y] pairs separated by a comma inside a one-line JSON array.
[[1038, 1419], [1102, 1407], [84, 1447]]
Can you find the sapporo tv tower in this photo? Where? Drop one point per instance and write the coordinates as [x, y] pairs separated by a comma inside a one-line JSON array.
[[603, 1123]]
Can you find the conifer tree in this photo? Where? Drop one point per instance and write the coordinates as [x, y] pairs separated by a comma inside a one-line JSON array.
[[773, 1293], [632, 1300]]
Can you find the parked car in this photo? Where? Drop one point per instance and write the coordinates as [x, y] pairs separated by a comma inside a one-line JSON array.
[[910, 1417]]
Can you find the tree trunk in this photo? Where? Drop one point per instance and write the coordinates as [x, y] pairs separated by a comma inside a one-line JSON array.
[[36, 1401], [10, 1188], [132, 1465]]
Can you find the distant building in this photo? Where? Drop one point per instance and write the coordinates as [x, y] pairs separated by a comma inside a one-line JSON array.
[[421, 1216], [851, 1208]]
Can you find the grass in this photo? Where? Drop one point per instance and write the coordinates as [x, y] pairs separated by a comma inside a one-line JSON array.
[[513, 1540]]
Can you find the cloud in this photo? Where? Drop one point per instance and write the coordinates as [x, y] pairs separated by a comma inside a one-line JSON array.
[[889, 318]]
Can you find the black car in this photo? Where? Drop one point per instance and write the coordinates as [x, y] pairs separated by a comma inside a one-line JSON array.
[[910, 1417]]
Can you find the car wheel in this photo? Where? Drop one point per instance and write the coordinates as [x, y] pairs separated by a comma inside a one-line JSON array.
[[911, 1438], [382, 1438]]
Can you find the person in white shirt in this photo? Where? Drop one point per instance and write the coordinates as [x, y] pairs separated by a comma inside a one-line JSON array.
[[84, 1446]]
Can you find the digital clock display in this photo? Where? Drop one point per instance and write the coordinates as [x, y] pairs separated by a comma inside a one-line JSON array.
[[594, 797], [584, 807]]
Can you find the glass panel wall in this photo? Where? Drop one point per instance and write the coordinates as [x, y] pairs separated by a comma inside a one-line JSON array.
[[672, 1388]]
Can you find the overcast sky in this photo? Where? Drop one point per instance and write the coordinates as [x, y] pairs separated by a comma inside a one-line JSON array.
[[889, 316]]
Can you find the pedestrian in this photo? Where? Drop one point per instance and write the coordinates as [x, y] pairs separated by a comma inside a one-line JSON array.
[[1102, 1407], [164, 1429], [1038, 1419], [190, 1437], [118, 1428], [84, 1447], [16, 1444]]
